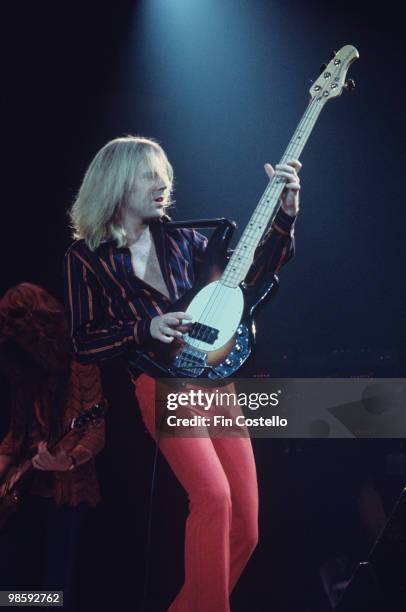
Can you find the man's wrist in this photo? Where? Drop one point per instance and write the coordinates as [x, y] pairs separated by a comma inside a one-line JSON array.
[[290, 212], [283, 222], [142, 331]]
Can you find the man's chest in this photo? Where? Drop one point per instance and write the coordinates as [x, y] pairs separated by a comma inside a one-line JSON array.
[[145, 265]]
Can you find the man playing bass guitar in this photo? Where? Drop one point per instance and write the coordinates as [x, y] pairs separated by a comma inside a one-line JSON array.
[[122, 276]]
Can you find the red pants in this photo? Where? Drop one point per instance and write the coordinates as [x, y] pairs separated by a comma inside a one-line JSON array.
[[220, 479]]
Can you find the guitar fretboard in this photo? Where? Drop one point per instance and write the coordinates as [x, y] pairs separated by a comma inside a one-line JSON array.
[[267, 207]]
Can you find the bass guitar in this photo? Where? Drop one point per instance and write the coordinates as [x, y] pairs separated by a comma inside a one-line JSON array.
[[222, 334]]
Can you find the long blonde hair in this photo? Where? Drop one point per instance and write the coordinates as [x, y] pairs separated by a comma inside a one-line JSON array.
[[95, 213]]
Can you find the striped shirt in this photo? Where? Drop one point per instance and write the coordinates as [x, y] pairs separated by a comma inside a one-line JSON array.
[[110, 308]]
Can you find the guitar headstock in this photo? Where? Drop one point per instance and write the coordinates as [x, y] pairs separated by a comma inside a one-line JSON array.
[[89, 415], [332, 79]]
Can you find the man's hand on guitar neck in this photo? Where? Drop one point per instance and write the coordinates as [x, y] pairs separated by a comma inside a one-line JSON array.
[[290, 195]]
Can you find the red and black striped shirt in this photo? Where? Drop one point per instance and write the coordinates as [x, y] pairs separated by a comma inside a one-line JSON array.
[[110, 308]]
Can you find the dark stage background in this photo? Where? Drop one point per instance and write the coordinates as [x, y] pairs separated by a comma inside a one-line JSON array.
[[222, 85]]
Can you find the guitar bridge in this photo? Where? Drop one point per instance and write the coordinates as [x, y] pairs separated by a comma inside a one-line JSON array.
[[191, 362]]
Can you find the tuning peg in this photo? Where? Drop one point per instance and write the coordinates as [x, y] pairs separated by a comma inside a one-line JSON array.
[[333, 54], [349, 84], [323, 67]]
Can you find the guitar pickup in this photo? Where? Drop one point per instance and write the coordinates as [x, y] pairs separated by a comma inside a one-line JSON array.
[[202, 332]]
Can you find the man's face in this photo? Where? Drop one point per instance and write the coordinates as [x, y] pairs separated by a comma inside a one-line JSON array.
[[149, 195]]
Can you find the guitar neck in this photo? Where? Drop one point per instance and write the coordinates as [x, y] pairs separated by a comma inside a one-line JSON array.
[[267, 207]]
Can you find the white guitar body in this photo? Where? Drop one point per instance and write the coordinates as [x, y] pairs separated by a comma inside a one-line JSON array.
[[217, 307]]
